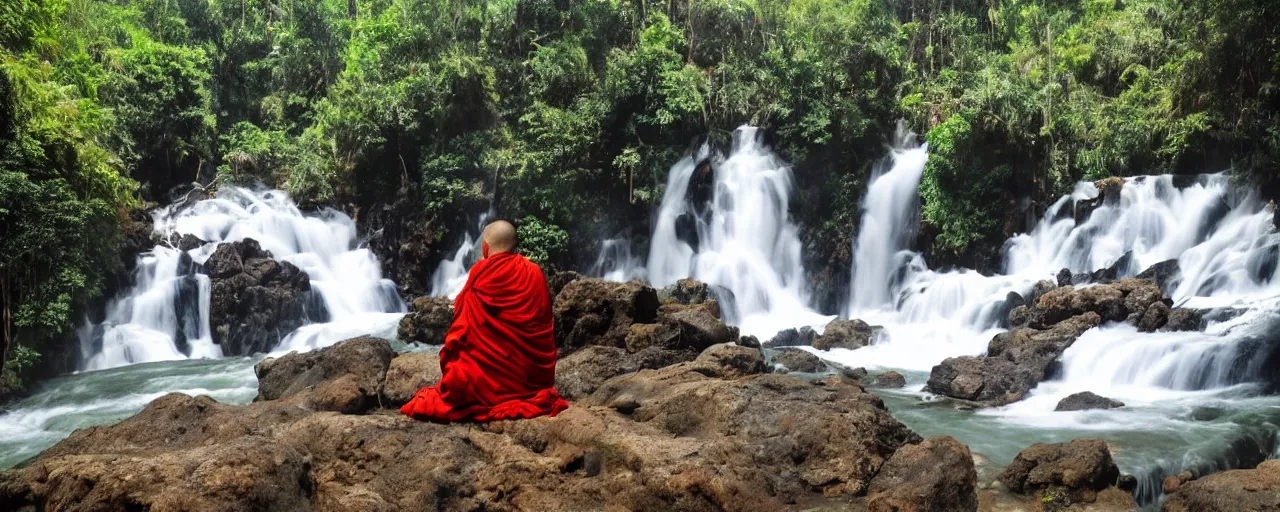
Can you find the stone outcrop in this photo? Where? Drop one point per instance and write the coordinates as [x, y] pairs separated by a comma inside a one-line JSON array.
[[850, 334], [346, 377], [714, 433], [936, 475], [1164, 274], [1016, 361], [1244, 489], [890, 379], [1085, 401], [1123, 300], [1075, 470], [581, 373], [802, 337], [796, 360], [406, 374], [427, 322], [591, 311], [1184, 319], [255, 300]]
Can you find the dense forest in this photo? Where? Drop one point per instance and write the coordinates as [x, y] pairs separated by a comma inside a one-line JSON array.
[[568, 113]]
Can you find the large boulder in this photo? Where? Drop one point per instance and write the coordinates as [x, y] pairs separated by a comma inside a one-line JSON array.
[[1085, 401], [796, 360], [579, 374], [1164, 274], [937, 475], [686, 291], [802, 337], [255, 300], [730, 360], [1080, 468], [850, 334], [1016, 361], [1184, 319], [890, 380], [1125, 299], [1243, 489], [591, 311], [427, 322], [345, 377], [408, 373]]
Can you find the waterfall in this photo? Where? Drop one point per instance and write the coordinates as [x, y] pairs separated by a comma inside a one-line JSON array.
[[889, 217], [165, 314], [741, 238], [615, 262], [451, 274]]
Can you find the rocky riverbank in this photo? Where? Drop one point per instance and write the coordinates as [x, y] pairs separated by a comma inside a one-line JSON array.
[[671, 410]]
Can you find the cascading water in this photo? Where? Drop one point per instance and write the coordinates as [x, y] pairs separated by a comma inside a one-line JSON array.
[[165, 315], [451, 274], [615, 262], [1184, 391], [742, 240]]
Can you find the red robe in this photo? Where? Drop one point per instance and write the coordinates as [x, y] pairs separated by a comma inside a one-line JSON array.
[[499, 356]]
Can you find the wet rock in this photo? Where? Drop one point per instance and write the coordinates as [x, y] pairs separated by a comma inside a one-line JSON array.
[[1172, 483], [581, 373], [1085, 401], [1016, 361], [1038, 290], [558, 280], [1064, 277], [1156, 316], [857, 374], [1081, 467], [345, 377], [255, 301], [406, 374], [189, 241], [1261, 263], [427, 322], [890, 380], [1019, 316], [1113, 302], [848, 334], [685, 291], [591, 311], [1005, 308], [700, 327], [749, 341], [1163, 274], [1243, 489], [936, 475], [802, 337], [796, 360], [1184, 319], [730, 361]]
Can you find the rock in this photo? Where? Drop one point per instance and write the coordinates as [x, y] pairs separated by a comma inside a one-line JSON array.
[[780, 431], [591, 311], [685, 291], [1113, 302], [1085, 401], [857, 374], [1016, 361], [255, 301], [850, 334], [427, 322], [700, 327], [558, 280], [674, 438], [1039, 289], [1019, 316], [189, 242], [1156, 317], [802, 337], [1064, 277], [406, 374], [730, 361], [1241, 489], [642, 336], [581, 373], [1183, 319], [749, 342], [891, 379], [1163, 274], [796, 360], [1082, 467], [936, 475], [1004, 309], [345, 377]]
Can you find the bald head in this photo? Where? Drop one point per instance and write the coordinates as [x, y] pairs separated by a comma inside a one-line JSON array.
[[501, 236]]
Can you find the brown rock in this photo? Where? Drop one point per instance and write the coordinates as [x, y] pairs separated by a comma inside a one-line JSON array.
[[1243, 489], [427, 322], [796, 360], [937, 475], [408, 373], [730, 361], [591, 311], [1085, 401], [581, 373], [850, 334], [1183, 319], [317, 377], [1156, 316], [1082, 467], [890, 379]]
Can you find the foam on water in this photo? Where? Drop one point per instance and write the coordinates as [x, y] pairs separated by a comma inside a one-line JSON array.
[[165, 315]]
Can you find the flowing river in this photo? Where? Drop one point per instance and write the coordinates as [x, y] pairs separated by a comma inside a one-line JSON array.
[[1194, 400]]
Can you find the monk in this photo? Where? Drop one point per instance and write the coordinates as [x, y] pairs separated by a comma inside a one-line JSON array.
[[499, 356]]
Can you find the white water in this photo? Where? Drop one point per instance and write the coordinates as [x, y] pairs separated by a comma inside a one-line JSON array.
[[451, 274], [746, 241], [615, 262], [170, 301]]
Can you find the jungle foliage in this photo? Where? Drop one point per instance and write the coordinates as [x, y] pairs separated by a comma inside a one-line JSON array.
[[571, 112]]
